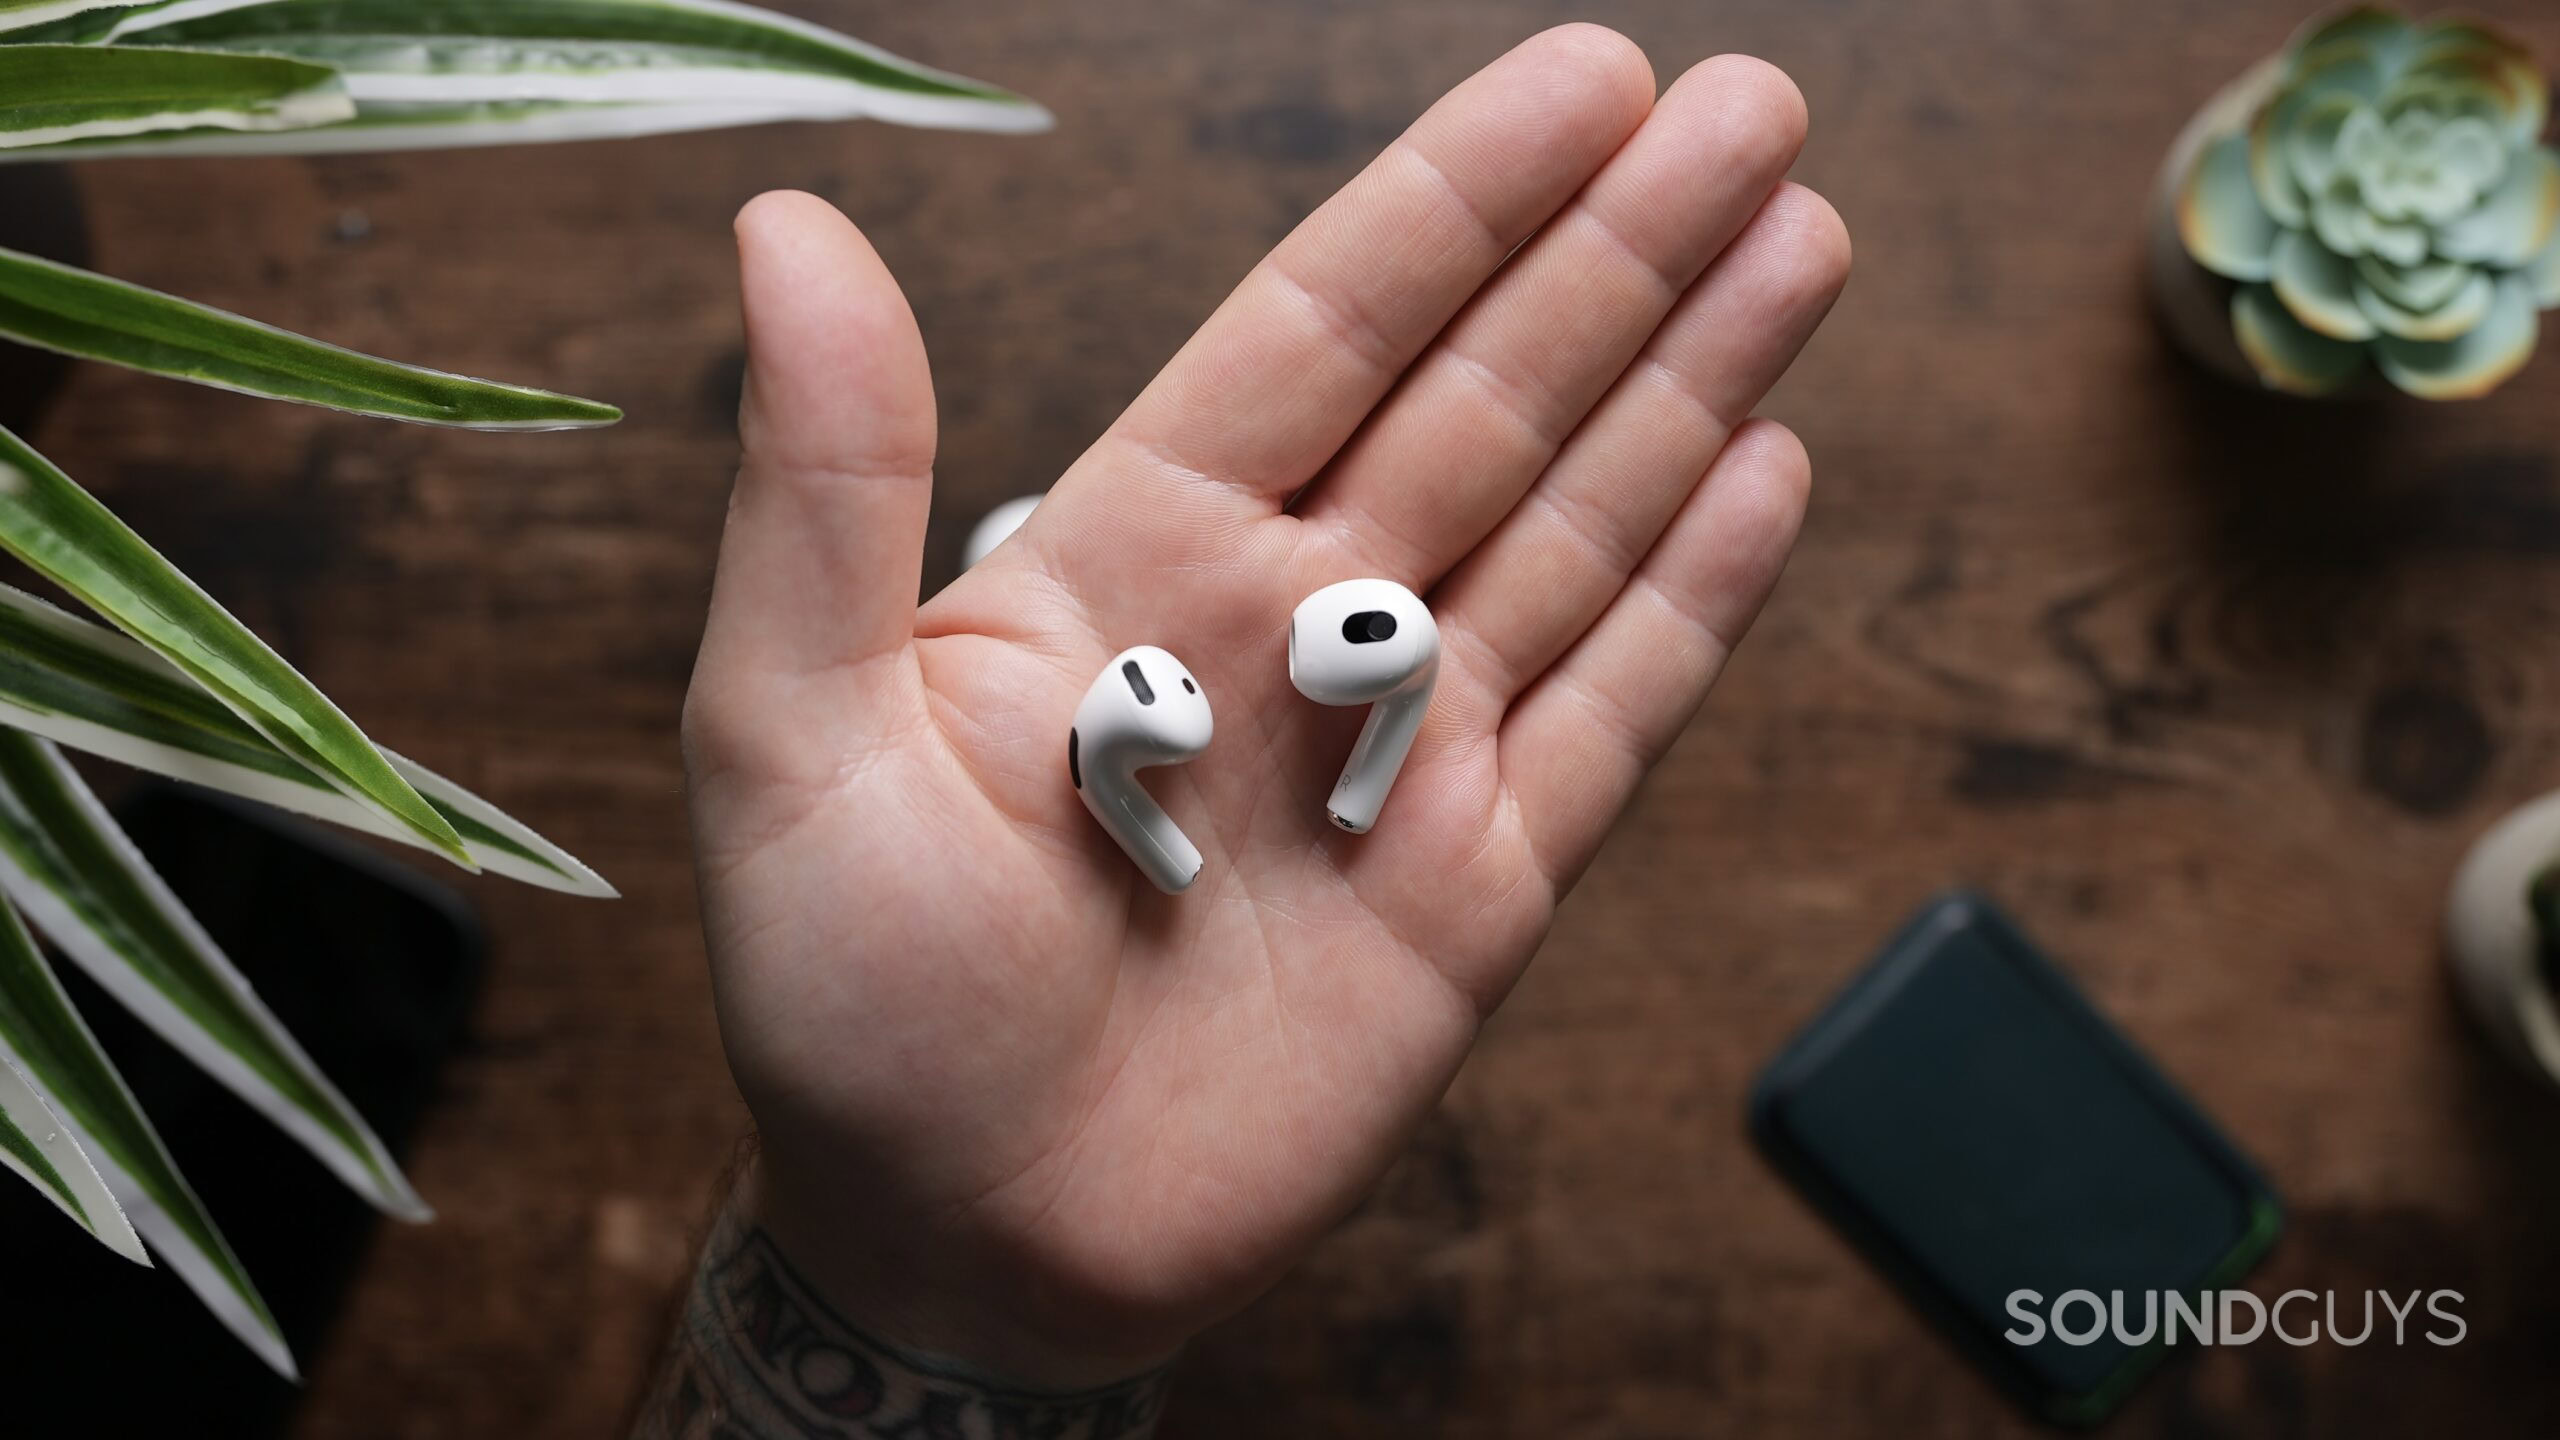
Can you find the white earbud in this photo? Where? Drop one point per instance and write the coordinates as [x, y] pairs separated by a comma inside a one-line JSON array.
[[1367, 642], [996, 527], [1143, 709]]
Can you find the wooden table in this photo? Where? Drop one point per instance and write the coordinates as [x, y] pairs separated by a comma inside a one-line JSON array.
[[2210, 688]]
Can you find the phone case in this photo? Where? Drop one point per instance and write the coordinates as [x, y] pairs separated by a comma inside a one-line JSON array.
[[1975, 1127]]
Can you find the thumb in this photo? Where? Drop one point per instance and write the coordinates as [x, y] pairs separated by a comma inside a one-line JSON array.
[[821, 558]]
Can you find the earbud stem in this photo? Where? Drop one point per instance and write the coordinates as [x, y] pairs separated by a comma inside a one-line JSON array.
[[1371, 771], [1152, 840]]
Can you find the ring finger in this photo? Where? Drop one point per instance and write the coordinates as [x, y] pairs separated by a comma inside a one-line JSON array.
[[1557, 560]]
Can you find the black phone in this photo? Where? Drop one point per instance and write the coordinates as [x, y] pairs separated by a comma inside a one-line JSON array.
[[374, 969], [1981, 1133]]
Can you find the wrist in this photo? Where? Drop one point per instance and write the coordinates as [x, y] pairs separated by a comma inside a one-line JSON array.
[[769, 1345], [982, 1305]]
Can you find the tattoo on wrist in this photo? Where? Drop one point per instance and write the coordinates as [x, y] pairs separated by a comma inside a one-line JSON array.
[[758, 1355]]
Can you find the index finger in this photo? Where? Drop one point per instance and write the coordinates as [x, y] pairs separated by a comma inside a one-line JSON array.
[[1290, 365]]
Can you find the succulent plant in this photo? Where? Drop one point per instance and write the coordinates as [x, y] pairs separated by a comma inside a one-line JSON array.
[[2389, 198]]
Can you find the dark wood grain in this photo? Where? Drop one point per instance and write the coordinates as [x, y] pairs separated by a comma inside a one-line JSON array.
[[2210, 688]]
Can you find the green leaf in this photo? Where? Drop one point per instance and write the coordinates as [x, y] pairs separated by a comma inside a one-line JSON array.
[[80, 881], [57, 94], [2473, 363], [73, 311], [2287, 354], [2543, 275], [472, 72], [21, 14], [82, 22], [2466, 307], [2517, 219], [2467, 51], [65, 535], [35, 1143], [44, 1037], [2310, 134], [385, 126], [2318, 286], [92, 689], [2421, 287], [2279, 193], [2365, 29], [2225, 227]]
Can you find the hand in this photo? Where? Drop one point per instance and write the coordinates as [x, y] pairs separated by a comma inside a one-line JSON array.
[[1016, 1106]]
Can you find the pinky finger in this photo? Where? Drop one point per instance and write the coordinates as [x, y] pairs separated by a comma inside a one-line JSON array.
[[1577, 743]]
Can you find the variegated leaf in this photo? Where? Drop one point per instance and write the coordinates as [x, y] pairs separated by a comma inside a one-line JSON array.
[[92, 689], [436, 73], [48, 1041], [82, 883]]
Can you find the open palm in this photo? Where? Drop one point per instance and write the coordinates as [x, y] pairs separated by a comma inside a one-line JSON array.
[[1020, 1107]]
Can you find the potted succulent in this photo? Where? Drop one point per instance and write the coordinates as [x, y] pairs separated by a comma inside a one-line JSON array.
[[2375, 199], [171, 682]]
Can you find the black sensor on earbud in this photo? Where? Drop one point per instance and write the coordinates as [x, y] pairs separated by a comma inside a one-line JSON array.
[[1368, 627]]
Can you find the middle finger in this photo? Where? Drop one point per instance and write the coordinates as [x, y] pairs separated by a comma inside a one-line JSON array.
[[1478, 417]]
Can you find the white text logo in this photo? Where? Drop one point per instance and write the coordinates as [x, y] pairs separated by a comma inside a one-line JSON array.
[[2225, 1317]]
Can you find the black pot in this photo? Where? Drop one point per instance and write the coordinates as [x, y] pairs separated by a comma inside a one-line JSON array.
[[40, 215]]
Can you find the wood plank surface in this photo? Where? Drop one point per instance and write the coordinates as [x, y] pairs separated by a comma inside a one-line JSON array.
[[2210, 688]]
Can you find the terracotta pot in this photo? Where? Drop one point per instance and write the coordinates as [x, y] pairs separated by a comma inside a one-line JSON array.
[[40, 214]]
